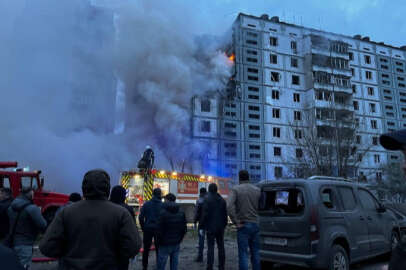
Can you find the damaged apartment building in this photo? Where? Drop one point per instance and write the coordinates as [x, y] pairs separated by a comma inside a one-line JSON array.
[[288, 78]]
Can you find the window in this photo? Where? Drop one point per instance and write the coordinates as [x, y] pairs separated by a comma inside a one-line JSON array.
[[297, 115], [368, 202], [370, 91], [278, 172], [253, 97], [354, 88], [298, 134], [254, 147], [273, 41], [275, 94], [253, 108], [352, 71], [283, 202], [254, 135], [276, 113], [374, 124], [273, 59], [205, 105], [205, 126], [253, 116], [253, 89], [252, 52], [276, 132], [253, 70], [251, 42], [328, 198], [277, 151], [295, 80], [368, 75], [351, 56], [274, 76], [398, 63], [375, 140], [230, 125], [384, 67], [293, 45], [358, 139], [294, 62], [252, 127], [299, 152], [355, 104], [255, 155], [4, 182], [347, 197], [29, 182], [377, 158], [372, 107], [296, 97], [367, 59]]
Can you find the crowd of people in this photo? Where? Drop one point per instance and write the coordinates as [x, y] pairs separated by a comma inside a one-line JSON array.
[[99, 231]]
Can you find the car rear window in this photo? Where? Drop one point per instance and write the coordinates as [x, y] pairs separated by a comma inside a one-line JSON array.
[[289, 201]]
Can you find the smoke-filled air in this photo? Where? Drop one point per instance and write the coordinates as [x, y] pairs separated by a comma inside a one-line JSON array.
[[88, 84]]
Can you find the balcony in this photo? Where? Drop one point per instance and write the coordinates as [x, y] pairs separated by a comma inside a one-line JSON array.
[[327, 52], [332, 70], [333, 105], [332, 87]]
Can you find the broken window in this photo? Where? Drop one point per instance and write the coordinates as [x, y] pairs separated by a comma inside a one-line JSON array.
[[273, 58], [273, 41], [275, 76], [295, 80], [205, 105], [275, 94], [205, 126], [276, 113], [276, 132], [277, 151]]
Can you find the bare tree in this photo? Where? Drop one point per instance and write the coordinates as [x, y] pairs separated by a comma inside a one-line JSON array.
[[393, 186]]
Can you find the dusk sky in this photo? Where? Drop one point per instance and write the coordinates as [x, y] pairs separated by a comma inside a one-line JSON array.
[[381, 20]]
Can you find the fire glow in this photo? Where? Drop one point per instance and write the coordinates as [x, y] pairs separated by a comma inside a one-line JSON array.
[[232, 57]]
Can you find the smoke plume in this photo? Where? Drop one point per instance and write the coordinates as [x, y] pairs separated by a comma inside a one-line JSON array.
[[62, 63]]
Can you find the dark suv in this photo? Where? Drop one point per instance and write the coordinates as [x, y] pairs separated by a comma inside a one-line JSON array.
[[322, 222]]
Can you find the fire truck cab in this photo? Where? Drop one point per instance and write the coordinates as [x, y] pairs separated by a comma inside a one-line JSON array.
[[16, 178], [185, 186]]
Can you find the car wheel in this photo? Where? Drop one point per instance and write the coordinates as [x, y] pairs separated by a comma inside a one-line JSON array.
[[265, 265], [394, 240], [338, 259]]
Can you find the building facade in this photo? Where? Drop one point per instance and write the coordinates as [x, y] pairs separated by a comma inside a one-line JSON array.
[[289, 79]]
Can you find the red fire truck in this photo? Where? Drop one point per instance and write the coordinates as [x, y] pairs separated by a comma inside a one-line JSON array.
[[16, 178], [185, 186]]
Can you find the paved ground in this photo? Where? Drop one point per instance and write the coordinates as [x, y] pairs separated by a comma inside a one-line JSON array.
[[189, 251]]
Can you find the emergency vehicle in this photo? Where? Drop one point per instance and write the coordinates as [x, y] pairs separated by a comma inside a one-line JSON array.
[[183, 185], [16, 178]]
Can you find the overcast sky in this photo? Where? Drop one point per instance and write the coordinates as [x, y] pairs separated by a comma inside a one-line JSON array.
[[382, 20]]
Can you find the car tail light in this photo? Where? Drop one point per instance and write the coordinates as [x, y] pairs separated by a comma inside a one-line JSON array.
[[314, 222]]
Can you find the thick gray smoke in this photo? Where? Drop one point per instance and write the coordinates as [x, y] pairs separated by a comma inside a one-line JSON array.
[[60, 62]]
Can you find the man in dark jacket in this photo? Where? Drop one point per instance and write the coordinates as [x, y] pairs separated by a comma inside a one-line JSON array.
[[148, 218], [198, 218], [9, 259], [94, 233], [214, 220], [73, 197], [30, 224], [5, 201], [171, 230], [397, 141], [118, 196]]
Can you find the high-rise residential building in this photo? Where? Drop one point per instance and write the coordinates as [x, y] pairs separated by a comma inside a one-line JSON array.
[[289, 80]]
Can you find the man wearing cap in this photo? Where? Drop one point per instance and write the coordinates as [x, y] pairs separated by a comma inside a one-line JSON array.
[[28, 222], [93, 233], [397, 141]]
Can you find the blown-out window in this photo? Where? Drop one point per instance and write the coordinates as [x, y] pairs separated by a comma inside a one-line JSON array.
[[282, 201]]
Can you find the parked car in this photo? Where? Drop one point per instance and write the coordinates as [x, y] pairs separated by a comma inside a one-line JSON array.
[[322, 223], [399, 211]]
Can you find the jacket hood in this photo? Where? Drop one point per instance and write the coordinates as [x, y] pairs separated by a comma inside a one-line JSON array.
[[20, 202], [118, 194], [96, 185], [171, 207]]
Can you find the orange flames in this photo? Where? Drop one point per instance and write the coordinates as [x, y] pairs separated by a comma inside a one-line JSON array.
[[232, 57]]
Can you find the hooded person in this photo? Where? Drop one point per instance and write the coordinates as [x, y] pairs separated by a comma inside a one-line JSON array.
[[93, 233], [197, 218], [396, 141], [171, 230], [118, 196], [26, 223]]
